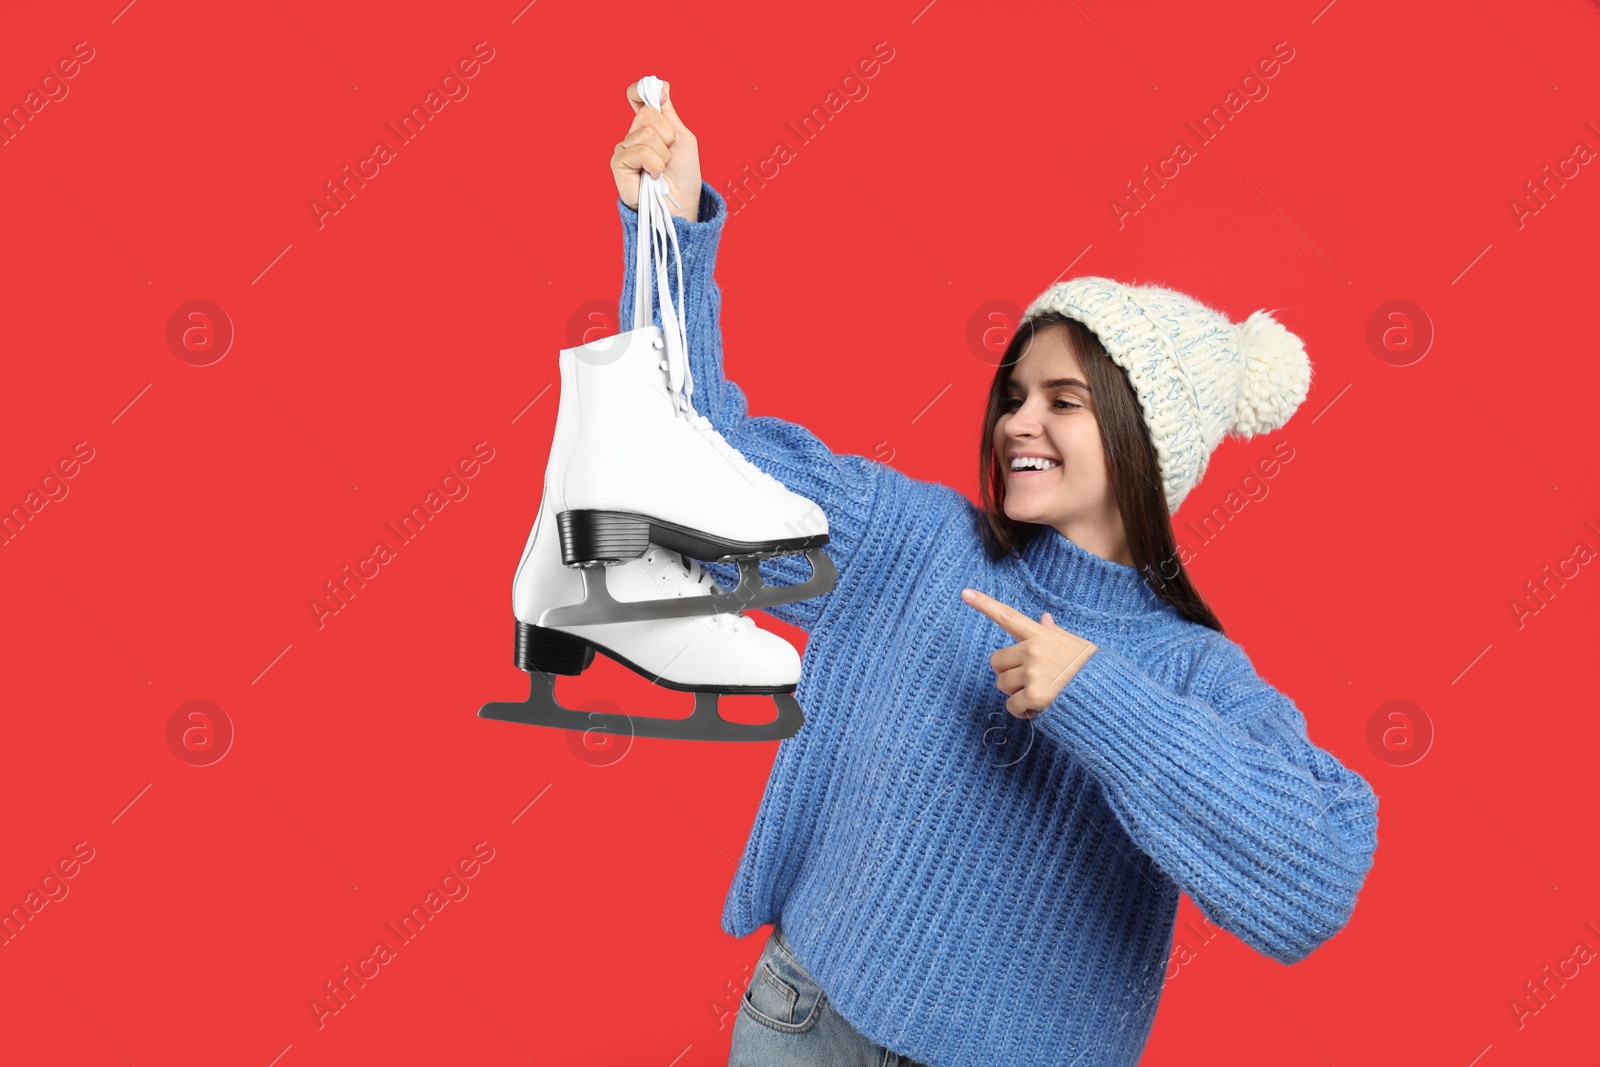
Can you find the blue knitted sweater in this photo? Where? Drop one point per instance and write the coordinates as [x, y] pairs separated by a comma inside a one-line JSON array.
[[971, 889]]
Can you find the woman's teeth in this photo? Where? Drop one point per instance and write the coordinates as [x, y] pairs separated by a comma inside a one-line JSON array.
[[1032, 465]]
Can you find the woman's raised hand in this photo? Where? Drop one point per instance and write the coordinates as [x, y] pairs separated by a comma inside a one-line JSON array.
[[658, 143]]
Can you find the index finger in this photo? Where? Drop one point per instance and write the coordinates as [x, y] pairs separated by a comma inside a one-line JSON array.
[[1010, 619]]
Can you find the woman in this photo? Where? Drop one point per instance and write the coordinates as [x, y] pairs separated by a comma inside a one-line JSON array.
[[960, 876]]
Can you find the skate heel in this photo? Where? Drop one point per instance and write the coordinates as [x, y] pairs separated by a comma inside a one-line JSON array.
[[602, 537], [540, 648]]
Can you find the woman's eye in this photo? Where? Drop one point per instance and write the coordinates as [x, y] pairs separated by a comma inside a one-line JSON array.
[[1012, 403]]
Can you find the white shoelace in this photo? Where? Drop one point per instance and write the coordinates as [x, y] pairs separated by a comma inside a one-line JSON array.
[[705, 426], [697, 578], [656, 232]]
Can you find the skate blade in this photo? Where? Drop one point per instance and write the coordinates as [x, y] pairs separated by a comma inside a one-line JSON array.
[[752, 592], [703, 724], [595, 535]]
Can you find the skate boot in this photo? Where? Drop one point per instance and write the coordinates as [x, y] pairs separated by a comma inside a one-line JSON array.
[[637, 466]]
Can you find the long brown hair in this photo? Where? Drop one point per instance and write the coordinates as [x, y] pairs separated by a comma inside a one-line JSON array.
[[1131, 462]]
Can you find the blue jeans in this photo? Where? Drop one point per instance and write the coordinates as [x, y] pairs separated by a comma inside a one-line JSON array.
[[785, 1020]]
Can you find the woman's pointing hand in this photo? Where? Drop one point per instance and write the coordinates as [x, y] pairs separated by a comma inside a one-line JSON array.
[[1035, 669]]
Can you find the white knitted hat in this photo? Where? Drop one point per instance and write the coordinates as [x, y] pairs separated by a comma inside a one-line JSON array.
[[1197, 375]]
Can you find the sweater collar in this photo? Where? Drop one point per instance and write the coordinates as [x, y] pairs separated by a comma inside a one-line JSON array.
[[1066, 572]]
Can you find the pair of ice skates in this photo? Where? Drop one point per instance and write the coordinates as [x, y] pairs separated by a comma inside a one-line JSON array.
[[637, 488]]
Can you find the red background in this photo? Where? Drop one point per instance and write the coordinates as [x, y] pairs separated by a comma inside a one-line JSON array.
[[372, 353]]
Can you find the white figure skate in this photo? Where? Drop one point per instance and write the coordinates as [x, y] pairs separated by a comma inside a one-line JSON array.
[[637, 482]]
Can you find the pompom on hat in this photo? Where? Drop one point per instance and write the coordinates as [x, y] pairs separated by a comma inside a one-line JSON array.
[[1197, 375]]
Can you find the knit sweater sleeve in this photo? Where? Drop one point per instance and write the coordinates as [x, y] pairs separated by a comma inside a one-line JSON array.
[[1269, 835], [846, 487]]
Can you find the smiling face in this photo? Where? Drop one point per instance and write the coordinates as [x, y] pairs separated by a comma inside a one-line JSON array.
[[1049, 413]]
